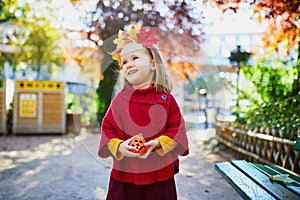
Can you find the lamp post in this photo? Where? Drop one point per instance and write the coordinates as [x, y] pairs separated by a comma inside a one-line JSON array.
[[237, 57]]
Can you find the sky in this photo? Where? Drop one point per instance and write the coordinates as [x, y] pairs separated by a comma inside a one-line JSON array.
[[239, 22]]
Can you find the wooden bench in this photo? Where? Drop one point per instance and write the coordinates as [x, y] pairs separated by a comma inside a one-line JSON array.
[[256, 181]]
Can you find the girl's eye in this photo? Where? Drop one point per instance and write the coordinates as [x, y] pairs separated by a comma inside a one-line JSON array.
[[134, 58], [124, 62]]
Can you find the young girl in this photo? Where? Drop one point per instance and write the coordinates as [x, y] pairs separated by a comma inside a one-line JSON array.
[[144, 105]]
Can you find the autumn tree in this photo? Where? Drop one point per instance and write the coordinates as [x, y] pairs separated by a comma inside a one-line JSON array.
[[282, 17], [283, 20], [41, 46]]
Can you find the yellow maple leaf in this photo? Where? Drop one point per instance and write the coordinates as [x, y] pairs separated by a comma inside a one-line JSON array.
[[116, 57], [282, 178], [119, 40], [133, 31]]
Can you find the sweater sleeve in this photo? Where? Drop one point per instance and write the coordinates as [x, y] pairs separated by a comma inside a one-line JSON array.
[[176, 128], [113, 145], [167, 145], [108, 132]]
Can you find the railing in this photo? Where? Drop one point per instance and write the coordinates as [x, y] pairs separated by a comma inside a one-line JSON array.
[[267, 146]]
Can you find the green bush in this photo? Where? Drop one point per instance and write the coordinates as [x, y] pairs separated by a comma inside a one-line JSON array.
[[89, 116], [85, 105], [73, 103], [271, 97]]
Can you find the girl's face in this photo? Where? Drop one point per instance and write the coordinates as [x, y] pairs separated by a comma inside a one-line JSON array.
[[138, 68]]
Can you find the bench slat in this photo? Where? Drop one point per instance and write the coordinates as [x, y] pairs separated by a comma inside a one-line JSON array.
[[273, 170], [263, 180], [284, 171], [246, 187]]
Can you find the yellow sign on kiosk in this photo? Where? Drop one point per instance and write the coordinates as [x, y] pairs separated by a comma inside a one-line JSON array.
[[28, 105], [39, 107]]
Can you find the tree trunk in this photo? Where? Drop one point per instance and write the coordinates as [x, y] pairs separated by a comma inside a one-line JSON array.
[[38, 71], [106, 86]]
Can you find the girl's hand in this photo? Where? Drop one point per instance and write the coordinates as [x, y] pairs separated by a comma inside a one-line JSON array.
[[150, 145], [124, 148]]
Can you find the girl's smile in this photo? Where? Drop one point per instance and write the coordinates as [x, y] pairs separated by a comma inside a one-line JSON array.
[[132, 72]]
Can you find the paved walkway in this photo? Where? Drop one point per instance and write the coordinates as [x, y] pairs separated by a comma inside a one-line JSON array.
[[67, 167]]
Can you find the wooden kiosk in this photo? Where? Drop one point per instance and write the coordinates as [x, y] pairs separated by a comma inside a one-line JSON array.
[[39, 107], [3, 117]]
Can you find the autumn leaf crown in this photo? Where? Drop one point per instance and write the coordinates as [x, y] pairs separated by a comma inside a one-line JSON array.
[[135, 34]]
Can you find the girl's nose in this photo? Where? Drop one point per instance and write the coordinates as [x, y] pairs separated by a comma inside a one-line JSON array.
[[128, 65]]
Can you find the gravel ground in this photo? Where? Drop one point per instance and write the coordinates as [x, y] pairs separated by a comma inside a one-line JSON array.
[[66, 167]]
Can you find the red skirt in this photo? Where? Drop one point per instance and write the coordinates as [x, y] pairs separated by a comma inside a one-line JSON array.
[[165, 190]]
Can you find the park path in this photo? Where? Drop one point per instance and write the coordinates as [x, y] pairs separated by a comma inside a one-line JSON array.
[[66, 167]]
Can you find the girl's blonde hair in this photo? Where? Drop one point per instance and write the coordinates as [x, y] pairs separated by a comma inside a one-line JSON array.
[[162, 81]]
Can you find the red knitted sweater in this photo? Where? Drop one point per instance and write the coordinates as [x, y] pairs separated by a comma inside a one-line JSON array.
[[153, 114]]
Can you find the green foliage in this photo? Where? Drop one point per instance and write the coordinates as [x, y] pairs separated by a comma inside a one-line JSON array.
[[86, 105], [35, 37], [73, 103], [42, 46], [271, 98], [89, 115], [8, 10]]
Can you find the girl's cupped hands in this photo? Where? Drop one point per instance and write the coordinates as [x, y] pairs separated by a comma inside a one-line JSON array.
[[150, 145]]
